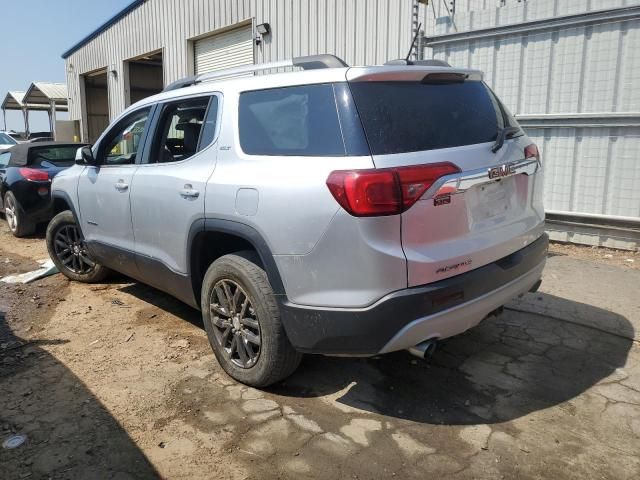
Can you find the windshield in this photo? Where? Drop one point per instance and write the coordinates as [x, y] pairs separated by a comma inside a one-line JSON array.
[[59, 155], [400, 117], [6, 139]]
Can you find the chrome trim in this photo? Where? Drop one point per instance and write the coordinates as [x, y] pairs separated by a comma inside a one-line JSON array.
[[461, 182]]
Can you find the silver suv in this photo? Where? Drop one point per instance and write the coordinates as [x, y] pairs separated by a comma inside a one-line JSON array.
[[334, 210]]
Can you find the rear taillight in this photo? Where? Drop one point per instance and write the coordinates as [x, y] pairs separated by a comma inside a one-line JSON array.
[[385, 191], [34, 175], [531, 151]]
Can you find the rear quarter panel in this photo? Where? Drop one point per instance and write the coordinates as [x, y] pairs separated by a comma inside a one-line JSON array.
[[325, 256]]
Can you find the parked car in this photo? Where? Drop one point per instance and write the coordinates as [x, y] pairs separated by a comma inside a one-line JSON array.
[[340, 211], [6, 141], [37, 135], [26, 171], [15, 135], [41, 139]]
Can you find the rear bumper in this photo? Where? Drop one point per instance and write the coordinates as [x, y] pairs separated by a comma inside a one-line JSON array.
[[407, 317], [34, 207]]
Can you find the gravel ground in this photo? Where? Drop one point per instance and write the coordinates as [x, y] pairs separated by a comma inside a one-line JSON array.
[[117, 380], [609, 256]]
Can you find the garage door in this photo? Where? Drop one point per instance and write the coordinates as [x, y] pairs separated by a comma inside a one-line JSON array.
[[224, 50]]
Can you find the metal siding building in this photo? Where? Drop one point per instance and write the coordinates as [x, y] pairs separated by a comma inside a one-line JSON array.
[[359, 31], [570, 71]]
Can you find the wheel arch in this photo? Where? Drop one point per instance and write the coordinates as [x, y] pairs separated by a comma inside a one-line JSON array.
[[4, 188], [209, 239], [61, 201]]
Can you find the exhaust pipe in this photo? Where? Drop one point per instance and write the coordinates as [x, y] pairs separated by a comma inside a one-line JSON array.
[[425, 349]]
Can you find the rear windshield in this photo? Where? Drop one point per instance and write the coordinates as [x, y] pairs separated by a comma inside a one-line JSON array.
[[6, 139], [400, 117], [62, 156]]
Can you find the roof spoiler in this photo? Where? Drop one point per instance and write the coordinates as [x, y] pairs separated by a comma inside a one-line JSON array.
[[432, 62], [311, 62]]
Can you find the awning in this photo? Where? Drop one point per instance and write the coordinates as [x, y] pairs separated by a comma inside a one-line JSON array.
[[43, 93], [15, 101], [44, 96]]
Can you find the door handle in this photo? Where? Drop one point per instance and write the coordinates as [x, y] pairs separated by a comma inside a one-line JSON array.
[[189, 192], [121, 186]]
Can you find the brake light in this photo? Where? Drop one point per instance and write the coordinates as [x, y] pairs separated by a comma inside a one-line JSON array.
[[34, 175], [531, 151], [385, 191]]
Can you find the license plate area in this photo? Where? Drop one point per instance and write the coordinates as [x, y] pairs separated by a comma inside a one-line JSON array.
[[491, 203]]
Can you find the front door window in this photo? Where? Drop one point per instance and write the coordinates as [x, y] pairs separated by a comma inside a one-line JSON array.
[[123, 143]]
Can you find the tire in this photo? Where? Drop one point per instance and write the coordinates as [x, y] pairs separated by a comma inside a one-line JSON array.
[[274, 357], [72, 260], [18, 224]]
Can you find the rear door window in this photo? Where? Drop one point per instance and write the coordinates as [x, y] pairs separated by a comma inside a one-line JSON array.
[[300, 120], [180, 129], [400, 117]]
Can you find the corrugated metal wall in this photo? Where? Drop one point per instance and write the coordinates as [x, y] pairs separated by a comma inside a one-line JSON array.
[[574, 84], [359, 31]]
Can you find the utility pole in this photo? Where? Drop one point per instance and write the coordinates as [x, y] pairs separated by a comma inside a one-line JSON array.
[[416, 32]]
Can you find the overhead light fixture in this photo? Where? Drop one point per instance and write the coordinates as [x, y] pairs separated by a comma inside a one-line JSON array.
[[264, 29]]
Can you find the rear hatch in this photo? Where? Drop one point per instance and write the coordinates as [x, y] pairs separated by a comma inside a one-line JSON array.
[[488, 204]]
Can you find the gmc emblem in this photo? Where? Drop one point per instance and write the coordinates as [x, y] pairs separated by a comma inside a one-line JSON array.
[[501, 171]]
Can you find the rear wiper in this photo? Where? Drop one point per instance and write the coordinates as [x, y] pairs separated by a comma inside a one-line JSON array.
[[502, 135]]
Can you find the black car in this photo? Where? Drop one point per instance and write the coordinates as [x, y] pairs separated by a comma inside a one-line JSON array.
[[26, 171]]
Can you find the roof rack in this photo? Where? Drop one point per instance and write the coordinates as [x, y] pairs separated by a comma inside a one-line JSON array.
[[311, 62]]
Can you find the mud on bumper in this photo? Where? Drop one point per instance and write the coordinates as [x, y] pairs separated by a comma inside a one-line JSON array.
[[407, 317]]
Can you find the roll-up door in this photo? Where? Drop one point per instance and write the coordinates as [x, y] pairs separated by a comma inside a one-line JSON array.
[[224, 50]]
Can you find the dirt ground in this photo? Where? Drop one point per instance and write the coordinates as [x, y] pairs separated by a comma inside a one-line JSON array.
[[608, 256], [117, 380]]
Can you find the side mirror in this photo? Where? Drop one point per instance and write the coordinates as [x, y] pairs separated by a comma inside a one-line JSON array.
[[84, 156]]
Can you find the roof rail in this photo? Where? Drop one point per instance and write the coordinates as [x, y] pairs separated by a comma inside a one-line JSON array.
[[310, 62]]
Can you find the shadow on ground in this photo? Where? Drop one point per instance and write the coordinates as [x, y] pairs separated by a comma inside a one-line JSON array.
[[70, 433], [501, 370], [164, 302], [505, 368]]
